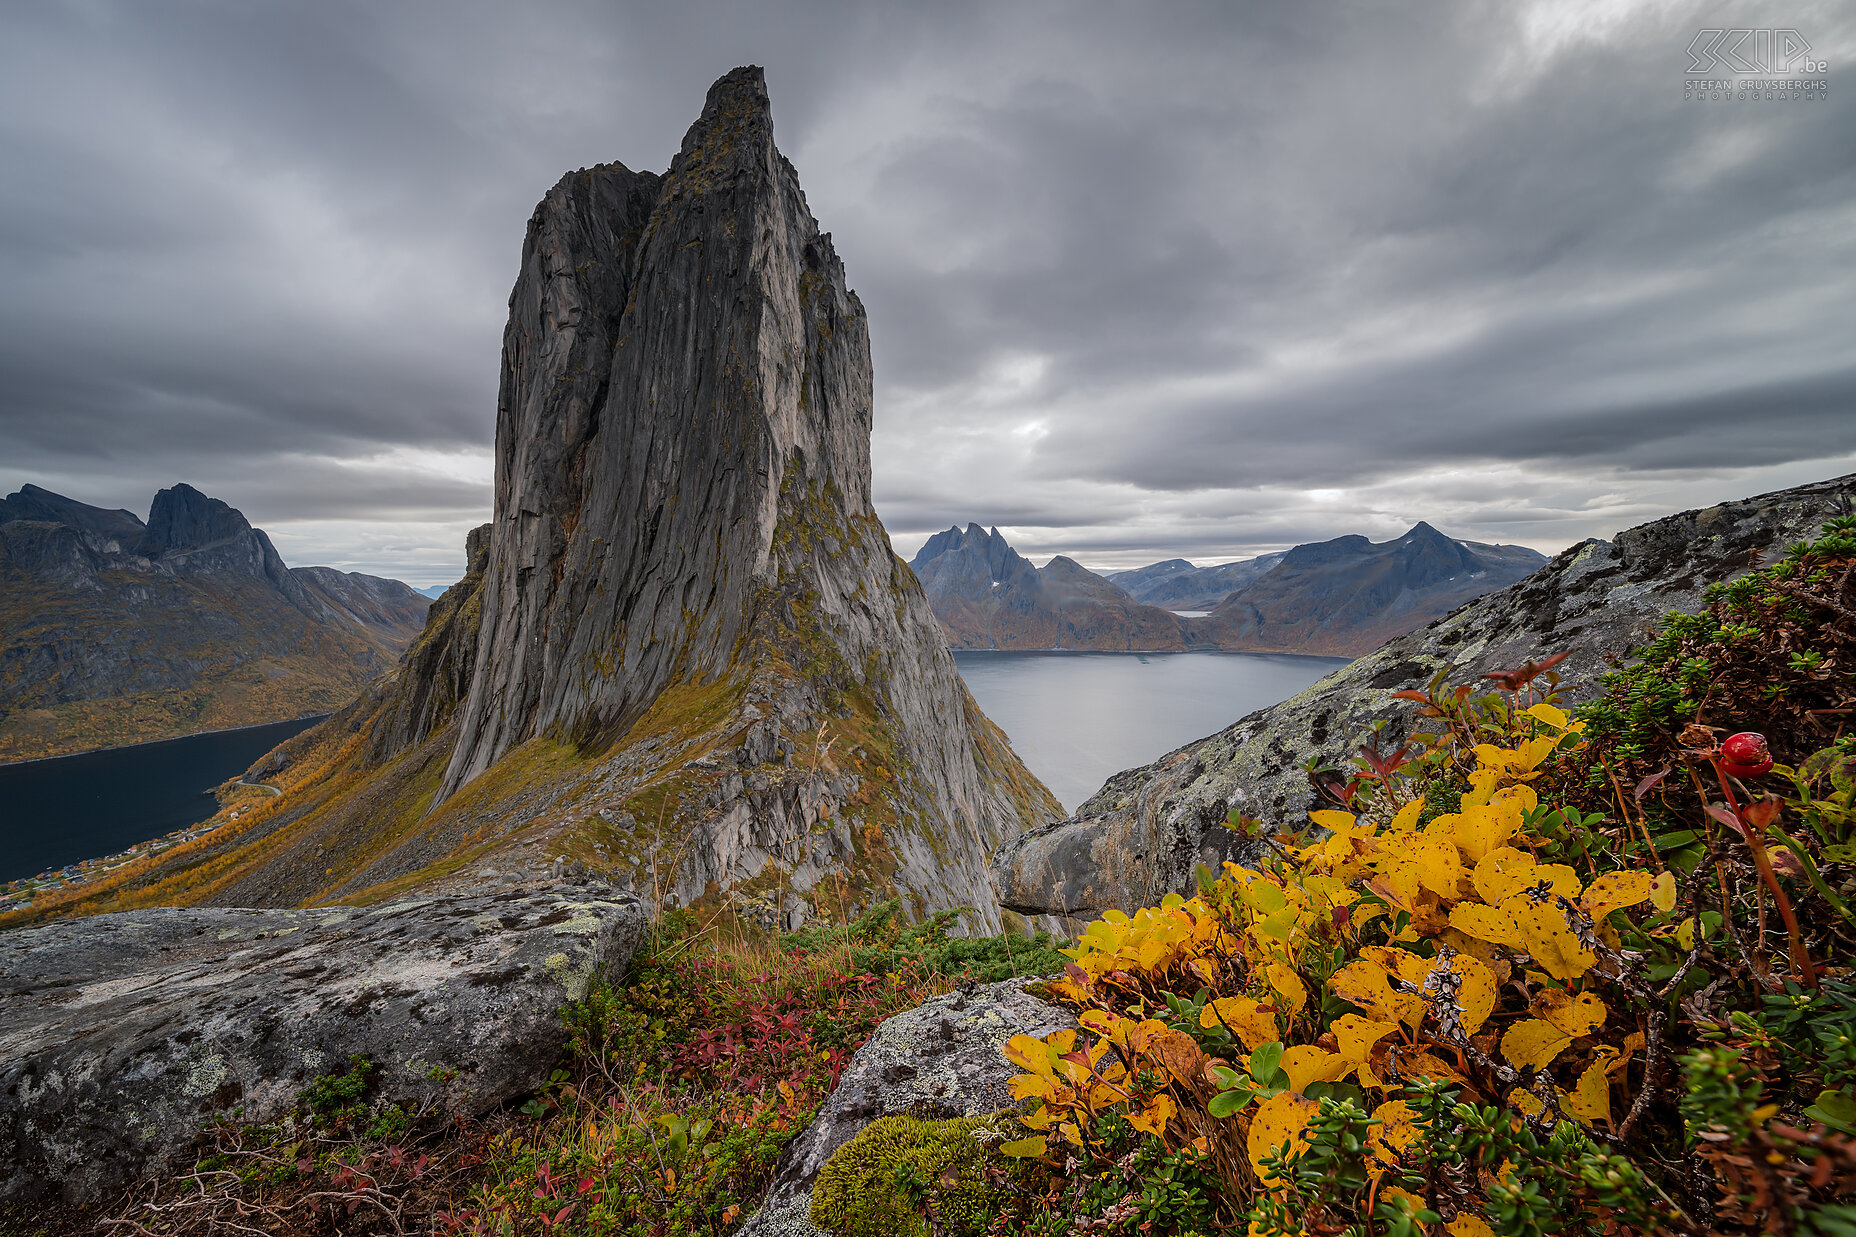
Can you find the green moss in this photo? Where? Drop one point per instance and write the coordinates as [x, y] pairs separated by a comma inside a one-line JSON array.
[[889, 1179]]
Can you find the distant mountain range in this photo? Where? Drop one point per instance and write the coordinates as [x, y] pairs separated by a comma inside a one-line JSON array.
[[117, 631], [988, 596], [1342, 597], [1177, 585], [1348, 596]]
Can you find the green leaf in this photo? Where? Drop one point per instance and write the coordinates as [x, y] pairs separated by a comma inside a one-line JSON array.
[[1225, 1103], [1226, 1076], [1842, 853], [1681, 837], [1836, 1109], [1023, 1148], [1264, 1060]]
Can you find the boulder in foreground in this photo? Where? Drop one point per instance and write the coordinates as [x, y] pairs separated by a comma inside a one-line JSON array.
[[941, 1059], [121, 1034]]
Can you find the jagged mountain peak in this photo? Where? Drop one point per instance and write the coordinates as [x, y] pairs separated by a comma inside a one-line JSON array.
[[182, 518], [684, 651]]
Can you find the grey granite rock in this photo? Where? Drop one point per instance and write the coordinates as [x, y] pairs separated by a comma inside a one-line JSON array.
[[121, 1034], [1140, 836], [936, 1061], [683, 499]]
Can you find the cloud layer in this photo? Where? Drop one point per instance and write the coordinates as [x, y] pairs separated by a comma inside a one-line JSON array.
[[1188, 280]]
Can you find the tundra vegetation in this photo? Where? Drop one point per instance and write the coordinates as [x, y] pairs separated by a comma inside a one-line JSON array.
[[1536, 970]]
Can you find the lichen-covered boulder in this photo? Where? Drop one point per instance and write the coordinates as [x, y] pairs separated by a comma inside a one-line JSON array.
[[857, 1192], [120, 1035], [939, 1061]]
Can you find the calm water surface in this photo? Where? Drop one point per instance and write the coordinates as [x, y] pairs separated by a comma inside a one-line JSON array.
[[54, 812], [1077, 718]]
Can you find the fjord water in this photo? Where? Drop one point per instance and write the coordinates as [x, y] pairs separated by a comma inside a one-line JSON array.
[[1077, 718], [59, 811]]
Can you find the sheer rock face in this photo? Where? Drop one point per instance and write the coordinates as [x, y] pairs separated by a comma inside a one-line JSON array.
[[1139, 836], [688, 658], [633, 530]]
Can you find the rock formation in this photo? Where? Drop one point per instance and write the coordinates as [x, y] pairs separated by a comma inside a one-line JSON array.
[[1140, 835], [121, 1034], [685, 656], [986, 595], [119, 631], [1348, 596]]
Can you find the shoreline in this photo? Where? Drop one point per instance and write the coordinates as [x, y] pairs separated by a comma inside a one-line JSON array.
[[198, 734]]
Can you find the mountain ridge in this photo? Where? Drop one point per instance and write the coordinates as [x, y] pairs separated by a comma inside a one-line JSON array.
[[1344, 597], [121, 631]]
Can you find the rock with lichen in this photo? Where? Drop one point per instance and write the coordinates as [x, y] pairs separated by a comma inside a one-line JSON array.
[[856, 1194], [121, 1035], [937, 1062], [1141, 835]]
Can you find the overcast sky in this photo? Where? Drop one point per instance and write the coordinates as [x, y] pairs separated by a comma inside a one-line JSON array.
[[1144, 281]]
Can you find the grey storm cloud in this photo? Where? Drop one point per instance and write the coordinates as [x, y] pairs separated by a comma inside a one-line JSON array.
[[1193, 280]]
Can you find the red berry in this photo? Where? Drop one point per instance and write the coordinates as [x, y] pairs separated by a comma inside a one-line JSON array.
[[1745, 754]]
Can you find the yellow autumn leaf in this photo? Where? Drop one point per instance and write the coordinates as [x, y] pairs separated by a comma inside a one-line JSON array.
[[1417, 1063], [1306, 1065], [1031, 1086], [1178, 1052], [1615, 891], [1533, 1043], [1034, 1054], [1439, 865], [1502, 873], [1356, 1036], [1488, 953], [1364, 983], [1246, 1018], [1574, 1014], [1111, 1026], [1482, 829], [1548, 935], [1554, 717], [1477, 989], [1485, 923], [1153, 1118], [1407, 818], [1663, 892], [1398, 882], [1467, 1225], [1394, 1133], [1336, 821], [1590, 1099], [1527, 1104], [1281, 1120], [1288, 986]]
